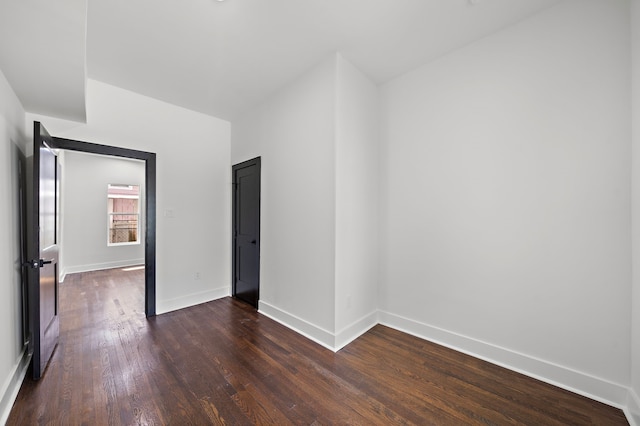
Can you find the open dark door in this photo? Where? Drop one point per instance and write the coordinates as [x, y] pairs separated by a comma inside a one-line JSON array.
[[246, 231], [42, 243]]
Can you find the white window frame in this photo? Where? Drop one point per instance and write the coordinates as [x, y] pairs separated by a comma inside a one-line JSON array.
[[111, 214]]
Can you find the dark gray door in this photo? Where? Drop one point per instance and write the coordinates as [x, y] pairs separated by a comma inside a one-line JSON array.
[[42, 231], [246, 231]]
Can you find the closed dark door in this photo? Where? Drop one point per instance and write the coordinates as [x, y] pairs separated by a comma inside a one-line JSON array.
[[246, 231], [42, 230]]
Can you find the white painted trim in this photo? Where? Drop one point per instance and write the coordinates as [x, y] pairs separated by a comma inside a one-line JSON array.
[[12, 385], [575, 381], [355, 330], [164, 306], [592, 387], [100, 266], [303, 327], [128, 243], [632, 411]]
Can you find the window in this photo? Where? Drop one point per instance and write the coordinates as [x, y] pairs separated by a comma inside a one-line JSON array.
[[123, 206]]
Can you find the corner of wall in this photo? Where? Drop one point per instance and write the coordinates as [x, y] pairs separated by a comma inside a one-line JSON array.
[[356, 195], [356, 329], [332, 341], [301, 326], [632, 410]]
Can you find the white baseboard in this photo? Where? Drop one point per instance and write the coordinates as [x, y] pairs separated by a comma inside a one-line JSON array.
[[632, 411], [355, 330], [100, 266], [329, 340], [583, 384], [164, 306], [308, 330], [12, 386], [592, 387]]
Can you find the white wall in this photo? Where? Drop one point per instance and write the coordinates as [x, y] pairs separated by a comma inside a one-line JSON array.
[[356, 187], [504, 199], [193, 181], [12, 143], [318, 141], [634, 400], [84, 207], [294, 132], [506, 212]]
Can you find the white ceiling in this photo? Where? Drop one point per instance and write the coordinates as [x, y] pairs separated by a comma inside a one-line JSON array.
[[42, 54], [220, 58]]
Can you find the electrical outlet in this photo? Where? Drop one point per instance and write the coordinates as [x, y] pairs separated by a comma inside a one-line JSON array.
[[196, 276]]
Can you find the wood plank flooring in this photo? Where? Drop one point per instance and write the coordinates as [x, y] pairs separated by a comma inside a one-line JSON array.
[[223, 363]]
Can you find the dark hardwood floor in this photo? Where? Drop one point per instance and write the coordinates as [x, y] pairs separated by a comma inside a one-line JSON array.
[[223, 363]]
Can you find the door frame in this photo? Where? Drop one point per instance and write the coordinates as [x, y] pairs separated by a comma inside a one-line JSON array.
[[149, 159], [257, 162]]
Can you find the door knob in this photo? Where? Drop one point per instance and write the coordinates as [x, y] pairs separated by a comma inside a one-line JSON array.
[[35, 264]]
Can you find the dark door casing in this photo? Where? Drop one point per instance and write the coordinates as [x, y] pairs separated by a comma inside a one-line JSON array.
[[246, 231], [41, 225], [149, 159]]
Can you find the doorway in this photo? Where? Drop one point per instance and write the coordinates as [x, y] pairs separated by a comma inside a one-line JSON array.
[[41, 227], [246, 231], [149, 159]]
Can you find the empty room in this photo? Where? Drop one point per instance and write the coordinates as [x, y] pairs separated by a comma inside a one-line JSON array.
[[320, 212]]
